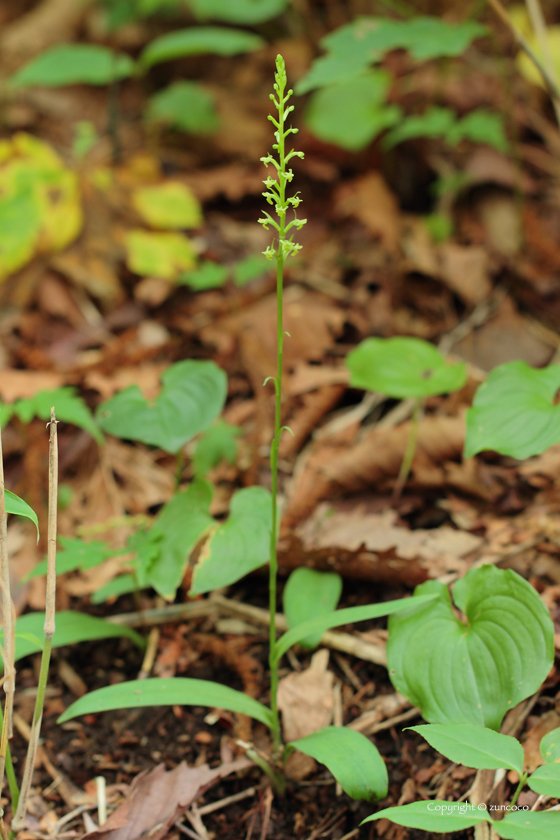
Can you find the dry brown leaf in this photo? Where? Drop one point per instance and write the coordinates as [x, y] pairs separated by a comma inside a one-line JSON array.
[[305, 698], [308, 417], [23, 384], [370, 200], [328, 468], [159, 797], [147, 377], [531, 743], [307, 378], [232, 180], [465, 270]]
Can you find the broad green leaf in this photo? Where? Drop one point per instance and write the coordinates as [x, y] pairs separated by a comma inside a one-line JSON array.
[[473, 671], [13, 504], [165, 255], [71, 628], [20, 222], [74, 64], [352, 759], [208, 275], [173, 691], [242, 11], [514, 411], [192, 396], [197, 40], [480, 126], [307, 594], [239, 545], [68, 406], [215, 445], [186, 106], [75, 554], [546, 780], [168, 206], [350, 615], [434, 122], [550, 746], [474, 746], [181, 523], [251, 268], [434, 816], [423, 37], [403, 367], [527, 825], [351, 114], [332, 69]]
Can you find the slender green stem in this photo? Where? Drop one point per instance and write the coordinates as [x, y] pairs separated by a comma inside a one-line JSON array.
[[10, 772], [520, 786], [276, 194], [409, 451]]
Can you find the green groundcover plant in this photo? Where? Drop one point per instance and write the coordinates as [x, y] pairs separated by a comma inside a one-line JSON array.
[[351, 757]]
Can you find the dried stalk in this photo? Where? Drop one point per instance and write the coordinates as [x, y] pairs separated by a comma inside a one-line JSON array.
[[19, 819], [7, 611]]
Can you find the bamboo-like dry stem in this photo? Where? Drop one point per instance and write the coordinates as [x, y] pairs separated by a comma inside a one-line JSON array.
[[50, 611], [7, 613]]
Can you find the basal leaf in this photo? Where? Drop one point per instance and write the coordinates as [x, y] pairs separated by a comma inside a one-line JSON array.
[[434, 122], [217, 444], [174, 691], [307, 594], [473, 671], [351, 114], [242, 11], [514, 411], [251, 268], [546, 780], [527, 825], [474, 746], [186, 106], [168, 206], [192, 396], [71, 628], [75, 554], [181, 523], [550, 746], [434, 816], [403, 367], [13, 504], [197, 40], [352, 759], [208, 275], [68, 406], [239, 545], [480, 126], [350, 615], [74, 64], [165, 255]]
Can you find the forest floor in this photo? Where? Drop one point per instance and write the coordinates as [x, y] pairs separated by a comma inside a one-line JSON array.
[[368, 266]]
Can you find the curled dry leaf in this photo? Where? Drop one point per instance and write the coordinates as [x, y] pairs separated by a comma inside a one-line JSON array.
[[306, 698], [158, 798], [370, 200]]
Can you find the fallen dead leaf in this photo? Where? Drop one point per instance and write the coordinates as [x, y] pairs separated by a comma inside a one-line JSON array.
[[369, 199], [159, 797], [23, 384], [531, 743], [147, 377], [305, 698]]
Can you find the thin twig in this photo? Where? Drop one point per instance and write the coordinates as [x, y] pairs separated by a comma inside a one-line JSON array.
[[539, 26], [19, 819], [522, 41]]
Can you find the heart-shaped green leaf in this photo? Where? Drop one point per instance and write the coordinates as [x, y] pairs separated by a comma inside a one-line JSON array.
[[350, 615], [75, 554], [172, 691], [309, 593], [13, 504], [550, 746], [197, 40], [528, 825], [474, 746], [181, 524], [438, 817], [546, 780], [74, 64], [473, 671], [403, 367], [352, 759], [71, 627], [239, 545], [192, 396], [514, 411]]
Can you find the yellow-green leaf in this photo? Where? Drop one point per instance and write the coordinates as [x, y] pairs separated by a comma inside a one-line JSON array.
[[169, 206], [165, 255]]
